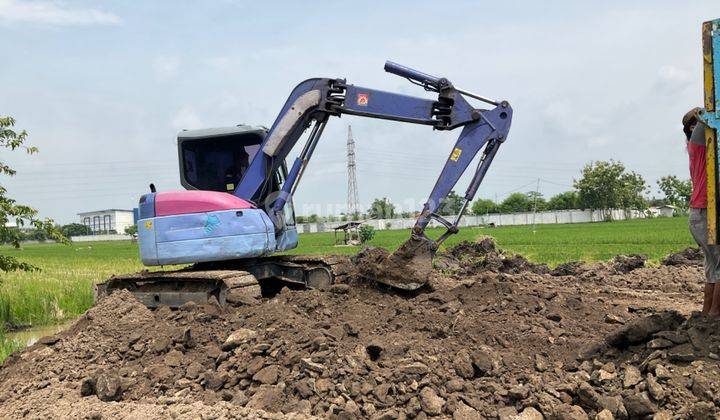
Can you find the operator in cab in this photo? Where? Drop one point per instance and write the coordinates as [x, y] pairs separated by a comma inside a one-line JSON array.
[[233, 175], [694, 130]]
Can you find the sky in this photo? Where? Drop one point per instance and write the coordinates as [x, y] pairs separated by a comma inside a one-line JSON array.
[[103, 88]]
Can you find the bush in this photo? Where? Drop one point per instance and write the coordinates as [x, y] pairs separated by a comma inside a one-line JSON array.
[[75, 229], [366, 233]]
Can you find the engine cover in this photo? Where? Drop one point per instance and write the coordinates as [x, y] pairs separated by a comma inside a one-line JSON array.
[[199, 226]]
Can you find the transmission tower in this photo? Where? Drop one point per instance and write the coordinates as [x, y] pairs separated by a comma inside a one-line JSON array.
[[352, 194]]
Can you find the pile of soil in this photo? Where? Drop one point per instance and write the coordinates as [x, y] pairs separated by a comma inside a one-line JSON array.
[[483, 255], [690, 256], [406, 268], [493, 337], [663, 365]]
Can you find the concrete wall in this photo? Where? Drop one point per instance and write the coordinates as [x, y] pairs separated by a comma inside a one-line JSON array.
[[511, 219], [97, 238]]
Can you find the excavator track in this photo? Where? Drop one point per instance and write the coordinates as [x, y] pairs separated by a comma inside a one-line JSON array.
[[233, 282]]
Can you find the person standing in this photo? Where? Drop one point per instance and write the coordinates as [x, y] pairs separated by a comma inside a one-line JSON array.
[[694, 130]]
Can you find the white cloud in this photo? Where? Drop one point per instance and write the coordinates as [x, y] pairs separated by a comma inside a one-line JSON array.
[[54, 13], [675, 74], [598, 141], [165, 67], [186, 118]]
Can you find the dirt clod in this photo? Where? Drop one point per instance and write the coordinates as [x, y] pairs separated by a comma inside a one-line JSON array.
[[108, 387], [409, 267]]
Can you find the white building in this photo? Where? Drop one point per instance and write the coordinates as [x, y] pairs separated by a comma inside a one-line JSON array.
[[107, 221]]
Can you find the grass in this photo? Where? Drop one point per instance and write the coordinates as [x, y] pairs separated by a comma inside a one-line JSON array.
[[7, 346], [63, 289], [551, 244]]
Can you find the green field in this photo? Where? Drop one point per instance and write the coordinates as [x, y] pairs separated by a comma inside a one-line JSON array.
[[63, 289]]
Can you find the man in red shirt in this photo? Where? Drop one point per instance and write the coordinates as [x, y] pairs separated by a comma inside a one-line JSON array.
[[695, 136]]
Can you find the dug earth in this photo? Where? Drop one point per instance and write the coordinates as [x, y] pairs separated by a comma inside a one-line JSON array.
[[495, 336]]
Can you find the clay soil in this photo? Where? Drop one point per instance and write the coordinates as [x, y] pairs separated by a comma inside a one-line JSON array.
[[493, 337]]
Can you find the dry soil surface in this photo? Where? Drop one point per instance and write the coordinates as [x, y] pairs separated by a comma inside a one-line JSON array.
[[493, 337]]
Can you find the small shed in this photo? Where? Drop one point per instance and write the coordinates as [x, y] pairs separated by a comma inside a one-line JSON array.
[[665, 210], [351, 233]]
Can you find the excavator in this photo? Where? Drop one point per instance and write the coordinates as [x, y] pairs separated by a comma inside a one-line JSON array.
[[236, 210]]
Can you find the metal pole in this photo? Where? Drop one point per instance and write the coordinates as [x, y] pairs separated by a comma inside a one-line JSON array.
[[537, 192]]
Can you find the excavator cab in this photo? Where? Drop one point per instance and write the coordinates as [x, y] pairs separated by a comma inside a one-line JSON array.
[[214, 159]]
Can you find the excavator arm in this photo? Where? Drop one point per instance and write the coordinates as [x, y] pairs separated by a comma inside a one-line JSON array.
[[313, 101]]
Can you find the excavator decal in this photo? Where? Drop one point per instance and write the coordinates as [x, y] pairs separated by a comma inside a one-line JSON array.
[[362, 99]]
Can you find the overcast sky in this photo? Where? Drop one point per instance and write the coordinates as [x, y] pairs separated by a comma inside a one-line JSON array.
[[103, 88]]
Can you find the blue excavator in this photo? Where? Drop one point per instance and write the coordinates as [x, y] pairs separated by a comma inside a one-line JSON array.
[[237, 211]]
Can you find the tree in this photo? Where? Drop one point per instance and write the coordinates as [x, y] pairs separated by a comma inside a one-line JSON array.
[[131, 230], [677, 192], [37, 235], [484, 206], [381, 208], [656, 202], [567, 200], [313, 218], [75, 229], [366, 232], [8, 234], [451, 205], [10, 210], [516, 203], [607, 185]]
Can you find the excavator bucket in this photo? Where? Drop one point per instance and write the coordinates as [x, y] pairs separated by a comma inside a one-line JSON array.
[[408, 268]]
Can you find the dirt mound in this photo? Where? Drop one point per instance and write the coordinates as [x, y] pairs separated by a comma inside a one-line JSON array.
[[501, 339], [624, 264], [658, 365], [571, 268], [484, 255], [620, 264], [119, 351], [690, 256]]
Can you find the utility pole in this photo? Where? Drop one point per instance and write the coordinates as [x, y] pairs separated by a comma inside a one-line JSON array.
[[352, 194], [537, 193]]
